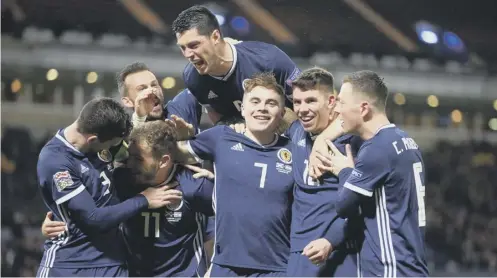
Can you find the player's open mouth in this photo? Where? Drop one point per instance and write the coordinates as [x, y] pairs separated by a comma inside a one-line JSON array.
[[262, 118], [306, 119], [198, 63]]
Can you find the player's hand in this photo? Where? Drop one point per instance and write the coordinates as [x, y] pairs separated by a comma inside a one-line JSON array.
[[145, 102], [158, 197], [50, 228], [200, 172], [319, 146], [184, 129], [318, 251], [336, 161], [238, 127]]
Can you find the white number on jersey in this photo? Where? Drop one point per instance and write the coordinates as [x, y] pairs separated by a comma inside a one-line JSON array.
[[263, 174], [420, 191], [146, 228], [308, 180], [105, 182], [238, 105]]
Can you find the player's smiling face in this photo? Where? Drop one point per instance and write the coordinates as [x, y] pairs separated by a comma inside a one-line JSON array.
[[139, 82], [199, 49], [349, 108], [313, 108], [263, 109]]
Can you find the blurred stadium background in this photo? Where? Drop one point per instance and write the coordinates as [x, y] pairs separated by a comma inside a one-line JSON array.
[[438, 57]]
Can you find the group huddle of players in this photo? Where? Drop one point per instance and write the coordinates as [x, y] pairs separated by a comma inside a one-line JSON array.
[[304, 182]]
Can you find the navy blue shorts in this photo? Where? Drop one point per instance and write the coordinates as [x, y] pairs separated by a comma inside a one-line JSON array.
[[340, 264], [106, 271], [229, 271]]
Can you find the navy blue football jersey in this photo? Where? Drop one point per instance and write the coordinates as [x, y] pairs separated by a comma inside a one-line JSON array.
[[389, 175], [252, 198], [65, 174], [313, 214], [186, 106], [224, 94], [168, 242]]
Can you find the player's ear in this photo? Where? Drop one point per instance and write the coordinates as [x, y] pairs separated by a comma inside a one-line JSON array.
[[216, 36], [331, 101], [92, 139], [127, 102], [164, 161]]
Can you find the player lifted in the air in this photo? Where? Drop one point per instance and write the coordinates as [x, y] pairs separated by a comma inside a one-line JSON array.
[[253, 188], [217, 68], [74, 171], [386, 181]]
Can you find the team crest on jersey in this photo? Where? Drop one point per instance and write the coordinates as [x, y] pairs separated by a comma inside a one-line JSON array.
[[173, 213], [62, 180], [285, 156], [105, 155]]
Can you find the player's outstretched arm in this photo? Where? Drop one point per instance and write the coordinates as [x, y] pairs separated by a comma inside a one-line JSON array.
[[183, 154], [85, 212], [201, 147]]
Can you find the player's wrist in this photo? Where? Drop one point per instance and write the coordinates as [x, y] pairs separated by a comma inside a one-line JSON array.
[[344, 173], [137, 119]]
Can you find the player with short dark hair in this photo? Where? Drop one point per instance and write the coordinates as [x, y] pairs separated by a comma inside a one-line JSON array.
[[253, 188], [164, 242], [322, 244], [386, 181], [218, 68], [74, 170]]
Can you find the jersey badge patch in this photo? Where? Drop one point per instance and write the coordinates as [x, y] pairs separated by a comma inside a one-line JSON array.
[[355, 176], [105, 155], [285, 155], [62, 180]]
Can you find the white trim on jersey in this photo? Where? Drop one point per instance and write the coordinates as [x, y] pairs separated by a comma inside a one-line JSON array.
[[58, 136], [386, 245], [192, 152], [214, 205], [73, 194], [233, 66], [198, 241], [63, 239], [358, 189]]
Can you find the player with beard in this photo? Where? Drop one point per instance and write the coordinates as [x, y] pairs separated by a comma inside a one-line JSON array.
[[253, 188], [74, 170], [165, 242], [322, 244]]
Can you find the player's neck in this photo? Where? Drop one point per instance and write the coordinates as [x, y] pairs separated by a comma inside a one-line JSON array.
[[226, 58], [261, 138], [162, 176], [371, 127], [75, 138]]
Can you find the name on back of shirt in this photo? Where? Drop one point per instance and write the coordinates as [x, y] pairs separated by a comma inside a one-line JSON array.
[[404, 144]]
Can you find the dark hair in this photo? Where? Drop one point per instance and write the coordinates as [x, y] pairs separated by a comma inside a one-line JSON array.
[[127, 70], [158, 135], [314, 79], [263, 79], [198, 17], [104, 117], [369, 83]]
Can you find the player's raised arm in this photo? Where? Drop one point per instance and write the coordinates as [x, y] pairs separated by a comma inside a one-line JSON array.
[[201, 147]]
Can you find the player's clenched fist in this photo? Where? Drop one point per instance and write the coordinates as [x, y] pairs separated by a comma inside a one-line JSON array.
[[145, 102], [158, 197], [318, 251]]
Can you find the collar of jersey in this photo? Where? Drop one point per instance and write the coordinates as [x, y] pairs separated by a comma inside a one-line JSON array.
[[66, 143], [276, 137], [384, 127], [232, 69], [170, 177]]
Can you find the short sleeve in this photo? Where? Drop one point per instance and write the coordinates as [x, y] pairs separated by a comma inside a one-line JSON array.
[[371, 169], [61, 181], [285, 71], [203, 145]]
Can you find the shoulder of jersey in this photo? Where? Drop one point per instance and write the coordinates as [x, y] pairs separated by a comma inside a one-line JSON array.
[[258, 49]]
